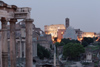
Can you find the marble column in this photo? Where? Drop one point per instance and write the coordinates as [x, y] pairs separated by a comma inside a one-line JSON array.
[[12, 42], [24, 50], [4, 43], [29, 56], [20, 48], [0, 53]]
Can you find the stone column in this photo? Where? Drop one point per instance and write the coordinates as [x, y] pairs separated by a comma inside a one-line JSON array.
[[24, 50], [0, 53], [20, 48], [34, 47], [29, 57], [18, 54], [12, 42], [4, 43], [54, 56]]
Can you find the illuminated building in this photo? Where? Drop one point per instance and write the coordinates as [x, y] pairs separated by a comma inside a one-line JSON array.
[[53, 29], [79, 34], [57, 30], [89, 34], [86, 34], [60, 34]]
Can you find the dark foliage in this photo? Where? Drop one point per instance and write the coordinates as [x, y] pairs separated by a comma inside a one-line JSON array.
[[88, 40], [66, 41], [73, 51], [84, 43], [42, 52]]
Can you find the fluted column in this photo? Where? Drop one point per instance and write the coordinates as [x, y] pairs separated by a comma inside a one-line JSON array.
[[4, 43], [29, 56], [12, 42]]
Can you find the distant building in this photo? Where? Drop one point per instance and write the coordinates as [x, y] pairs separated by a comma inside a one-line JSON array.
[[53, 29], [60, 34], [82, 34], [67, 23], [57, 30], [70, 33], [79, 34], [89, 34]]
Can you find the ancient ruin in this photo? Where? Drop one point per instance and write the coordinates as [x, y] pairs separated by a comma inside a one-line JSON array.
[[12, 13]]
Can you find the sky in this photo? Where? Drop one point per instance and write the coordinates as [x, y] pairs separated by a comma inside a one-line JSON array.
[[83, 14]]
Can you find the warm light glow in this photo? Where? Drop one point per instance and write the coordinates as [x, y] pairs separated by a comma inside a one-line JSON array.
[[62, 33], [87, 34], [59, 40], [53, 30]]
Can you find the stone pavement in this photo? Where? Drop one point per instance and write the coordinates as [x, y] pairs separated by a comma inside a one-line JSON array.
[[77, 64]]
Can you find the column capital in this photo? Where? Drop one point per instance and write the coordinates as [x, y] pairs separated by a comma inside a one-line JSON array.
[[28, 20], [13, 20]]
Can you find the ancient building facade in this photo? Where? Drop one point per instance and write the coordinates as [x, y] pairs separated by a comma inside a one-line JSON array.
[[57, 30], [53, 29], [12, 13], [21, 41], [89, 34], [38, 37], [60, 34], [79, 34]]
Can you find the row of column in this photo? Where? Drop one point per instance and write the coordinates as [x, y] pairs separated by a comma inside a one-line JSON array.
[[13, 42]]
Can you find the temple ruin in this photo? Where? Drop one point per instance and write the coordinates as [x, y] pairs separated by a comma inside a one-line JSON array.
[[11, 14]]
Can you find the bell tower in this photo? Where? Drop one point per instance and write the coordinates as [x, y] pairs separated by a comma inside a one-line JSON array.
[[67, 23]]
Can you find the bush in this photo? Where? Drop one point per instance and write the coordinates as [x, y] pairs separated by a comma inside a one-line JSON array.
[[85, 63]]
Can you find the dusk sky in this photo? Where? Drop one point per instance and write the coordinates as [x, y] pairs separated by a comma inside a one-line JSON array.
[[83, 14]]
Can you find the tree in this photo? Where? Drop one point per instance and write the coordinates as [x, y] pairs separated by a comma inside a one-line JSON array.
[[66, 41], [51, 46], [88, 40], [57, 44], [42, 52], [84, 43], [95, 38], [73, 50], [61, 44]]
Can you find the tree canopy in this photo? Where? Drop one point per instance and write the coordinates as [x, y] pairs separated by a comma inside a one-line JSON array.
[[66, 41], [84, 43], [42, 52], [73, 50], [88, 40]]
